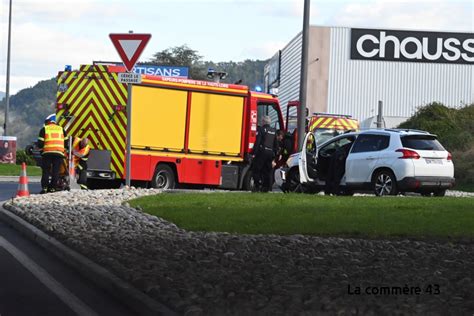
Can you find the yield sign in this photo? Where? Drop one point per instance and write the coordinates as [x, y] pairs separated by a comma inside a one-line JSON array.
[[129, 46]]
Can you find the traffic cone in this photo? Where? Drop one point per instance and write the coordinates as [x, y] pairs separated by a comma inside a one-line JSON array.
[[23, 183], [72, 171]]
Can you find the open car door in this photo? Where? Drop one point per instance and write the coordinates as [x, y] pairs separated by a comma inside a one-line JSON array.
[[308, 159]]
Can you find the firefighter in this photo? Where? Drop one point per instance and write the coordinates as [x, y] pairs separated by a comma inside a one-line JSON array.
[[284, 148], [264, 153], [52, 141], [80, 152]]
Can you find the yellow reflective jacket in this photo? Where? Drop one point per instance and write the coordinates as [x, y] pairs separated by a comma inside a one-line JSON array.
[[53, 139]]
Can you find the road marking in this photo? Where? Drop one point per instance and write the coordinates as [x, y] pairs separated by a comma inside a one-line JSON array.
[[44, 277]]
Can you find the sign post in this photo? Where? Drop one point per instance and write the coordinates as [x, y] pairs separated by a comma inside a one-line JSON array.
[[129, 46]]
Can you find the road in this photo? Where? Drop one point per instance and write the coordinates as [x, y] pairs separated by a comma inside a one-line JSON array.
[[8, 189], [33, 282]]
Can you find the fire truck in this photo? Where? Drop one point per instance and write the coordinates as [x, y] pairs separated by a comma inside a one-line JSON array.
[[183, 132], [323, 125]]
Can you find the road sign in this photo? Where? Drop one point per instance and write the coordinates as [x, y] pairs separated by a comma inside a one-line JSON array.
[[129, 46], [129, 77]]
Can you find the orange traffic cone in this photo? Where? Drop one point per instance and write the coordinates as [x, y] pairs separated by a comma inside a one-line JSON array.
[[23, 183], [72, 172]]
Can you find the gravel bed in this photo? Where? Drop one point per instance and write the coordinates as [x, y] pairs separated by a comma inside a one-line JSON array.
[[218, 273]]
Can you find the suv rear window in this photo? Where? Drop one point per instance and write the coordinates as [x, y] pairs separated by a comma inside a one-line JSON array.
[[370, 142], [422, 142]]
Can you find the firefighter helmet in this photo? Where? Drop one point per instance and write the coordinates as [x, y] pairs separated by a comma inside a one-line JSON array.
[[50, 118]]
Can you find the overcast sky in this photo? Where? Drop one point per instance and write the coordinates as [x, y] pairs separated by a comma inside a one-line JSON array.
[[48, 34]]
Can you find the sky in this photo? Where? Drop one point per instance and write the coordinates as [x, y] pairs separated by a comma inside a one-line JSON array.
[[49, 34]]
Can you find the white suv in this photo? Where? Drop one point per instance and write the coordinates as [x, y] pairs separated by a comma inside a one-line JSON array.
[[387, 161]]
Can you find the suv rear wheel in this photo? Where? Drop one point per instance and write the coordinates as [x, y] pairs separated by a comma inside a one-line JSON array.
[[384, 183]]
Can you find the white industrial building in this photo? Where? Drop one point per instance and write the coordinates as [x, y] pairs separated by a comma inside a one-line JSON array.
[[351, 69]]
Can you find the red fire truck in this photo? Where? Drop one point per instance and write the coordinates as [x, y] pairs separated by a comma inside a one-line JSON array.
[[183, 131]]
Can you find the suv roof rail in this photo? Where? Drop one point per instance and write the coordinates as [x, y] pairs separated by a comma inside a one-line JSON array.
[[406, 130]]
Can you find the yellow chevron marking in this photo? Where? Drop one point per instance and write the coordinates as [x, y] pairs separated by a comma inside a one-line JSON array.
[[344, 124], [324, 123], [72, 89], [316, 123], [101, 109]]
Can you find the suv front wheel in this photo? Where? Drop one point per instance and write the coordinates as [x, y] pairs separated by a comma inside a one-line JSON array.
[[384, 183]]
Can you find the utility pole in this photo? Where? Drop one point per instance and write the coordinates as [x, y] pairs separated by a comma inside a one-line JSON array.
[[380, 115], [7, 90], [128, 161], [304, 76]]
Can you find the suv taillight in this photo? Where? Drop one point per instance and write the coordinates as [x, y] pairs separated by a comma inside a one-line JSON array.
[[450, 157], [408, 154]]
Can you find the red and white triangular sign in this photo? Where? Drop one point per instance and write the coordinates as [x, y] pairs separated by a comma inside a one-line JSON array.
[[130, 46]]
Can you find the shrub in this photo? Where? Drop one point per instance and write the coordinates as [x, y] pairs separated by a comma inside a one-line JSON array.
[[455, 130], [464, 166], [454, 127], [21, 157]]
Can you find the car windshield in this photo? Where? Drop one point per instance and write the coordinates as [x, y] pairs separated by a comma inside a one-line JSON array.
[[422, 142], [324, 134]]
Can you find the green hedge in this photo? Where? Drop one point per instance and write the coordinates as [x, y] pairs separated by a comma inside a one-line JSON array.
[[455, 130], [21, 157]]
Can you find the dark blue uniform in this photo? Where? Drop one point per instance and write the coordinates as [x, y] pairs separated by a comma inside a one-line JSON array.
[[264, 151]]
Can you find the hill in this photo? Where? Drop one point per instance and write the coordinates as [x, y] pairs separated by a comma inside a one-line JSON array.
[[2, 94], [30, 106], [27, 110]]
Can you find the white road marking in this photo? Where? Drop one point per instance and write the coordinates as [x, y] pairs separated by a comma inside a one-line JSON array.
[[44, 277]]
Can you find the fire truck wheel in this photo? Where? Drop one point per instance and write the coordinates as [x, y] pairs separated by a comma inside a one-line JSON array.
[[248, 183], [163, 178]]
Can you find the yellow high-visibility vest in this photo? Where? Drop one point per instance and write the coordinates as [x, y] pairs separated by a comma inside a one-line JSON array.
[[53, 139], [79, 153]]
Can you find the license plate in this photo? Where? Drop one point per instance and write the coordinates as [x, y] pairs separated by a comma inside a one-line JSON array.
[[434, 161]]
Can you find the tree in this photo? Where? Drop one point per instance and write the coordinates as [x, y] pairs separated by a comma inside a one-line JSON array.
[[181, 56], [248, 72]]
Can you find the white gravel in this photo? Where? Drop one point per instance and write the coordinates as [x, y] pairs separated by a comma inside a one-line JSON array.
[[218, 273]]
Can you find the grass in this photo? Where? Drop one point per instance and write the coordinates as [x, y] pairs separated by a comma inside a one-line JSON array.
[[286, 214], [14, 170]]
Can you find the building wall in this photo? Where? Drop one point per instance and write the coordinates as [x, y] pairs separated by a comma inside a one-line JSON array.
[[337, 84], [318, 69], [290, 72], [356, 86]]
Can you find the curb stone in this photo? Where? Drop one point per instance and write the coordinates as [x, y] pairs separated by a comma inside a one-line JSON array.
[[136, 300]]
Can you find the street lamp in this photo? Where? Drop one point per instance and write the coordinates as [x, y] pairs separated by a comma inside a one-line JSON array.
[[304, 75], [7, 90]]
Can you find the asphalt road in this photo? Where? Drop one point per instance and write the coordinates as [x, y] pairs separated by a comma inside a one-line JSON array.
[[8, 189], [34, 282]]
